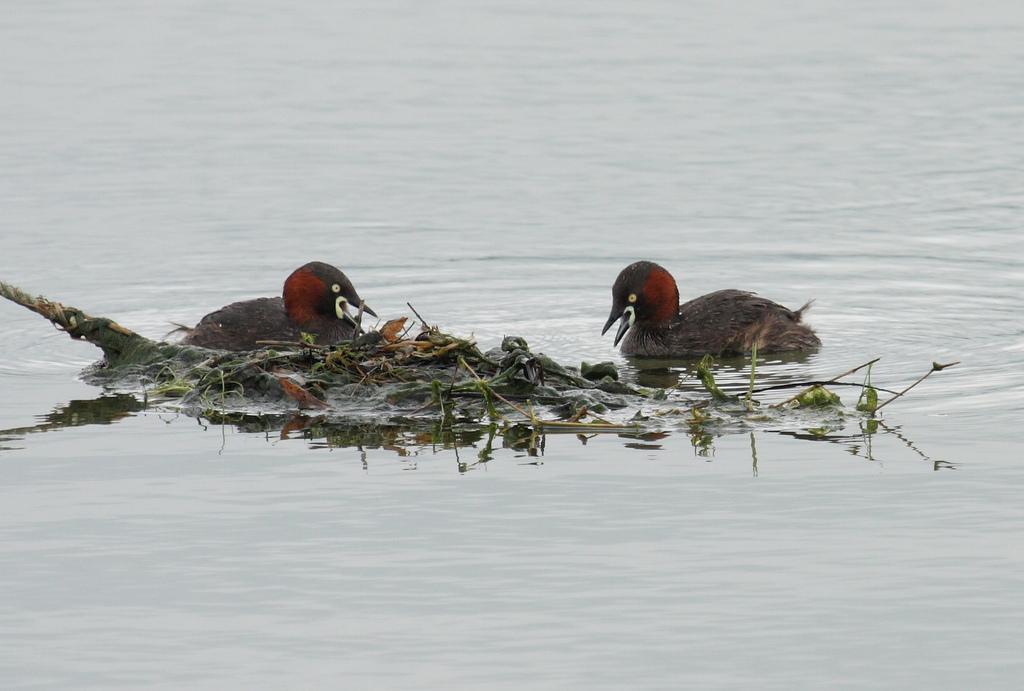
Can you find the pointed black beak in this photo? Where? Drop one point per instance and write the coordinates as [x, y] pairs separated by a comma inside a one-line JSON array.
[[612, 318], [366, 308], [617, 315], [353, 318]]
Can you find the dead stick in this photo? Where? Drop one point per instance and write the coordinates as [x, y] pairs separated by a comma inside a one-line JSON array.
[[855, 369], [833, 380], [936, 367], [422, 320]]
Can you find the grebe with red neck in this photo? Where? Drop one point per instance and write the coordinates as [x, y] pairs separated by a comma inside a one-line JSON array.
[[645, 300], [317, 299]]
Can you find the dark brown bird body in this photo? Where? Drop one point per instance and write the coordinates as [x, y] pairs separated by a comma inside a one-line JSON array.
[[726, 322], [318, 299]]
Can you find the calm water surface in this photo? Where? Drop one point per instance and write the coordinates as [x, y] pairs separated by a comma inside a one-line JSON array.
[[497, 167]]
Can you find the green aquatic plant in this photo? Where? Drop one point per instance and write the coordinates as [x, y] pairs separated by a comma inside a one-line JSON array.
[[707, 379], [868, 401]]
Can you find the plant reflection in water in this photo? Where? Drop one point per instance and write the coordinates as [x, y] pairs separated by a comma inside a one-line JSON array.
[[410, 438]]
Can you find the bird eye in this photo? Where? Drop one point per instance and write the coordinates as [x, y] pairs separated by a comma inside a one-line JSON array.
[[336, 288], [632, 297]]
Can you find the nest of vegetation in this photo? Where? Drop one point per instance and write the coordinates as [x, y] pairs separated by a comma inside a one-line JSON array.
[[405, 372]]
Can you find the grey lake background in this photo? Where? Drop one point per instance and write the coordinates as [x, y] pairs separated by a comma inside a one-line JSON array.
[[496, 165]]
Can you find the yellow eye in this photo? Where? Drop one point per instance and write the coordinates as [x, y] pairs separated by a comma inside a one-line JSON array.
[[632, 297], [336, 288]]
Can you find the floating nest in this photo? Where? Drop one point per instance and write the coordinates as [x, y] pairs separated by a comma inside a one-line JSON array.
[[407, 372]]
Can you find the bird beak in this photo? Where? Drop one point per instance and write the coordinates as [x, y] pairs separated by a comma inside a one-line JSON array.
[[366, 308], [612, 318], [355, 320], [627, 316], [351, 320]]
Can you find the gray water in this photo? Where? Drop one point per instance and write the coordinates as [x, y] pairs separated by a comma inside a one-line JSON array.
[[496, 167]]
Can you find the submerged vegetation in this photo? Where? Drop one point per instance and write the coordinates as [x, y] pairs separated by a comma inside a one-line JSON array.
[[403, 378]]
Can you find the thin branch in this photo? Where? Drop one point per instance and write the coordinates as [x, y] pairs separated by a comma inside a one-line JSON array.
[[936, 367], [422, 320]]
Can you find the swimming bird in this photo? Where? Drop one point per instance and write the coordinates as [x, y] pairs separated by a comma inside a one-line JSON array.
[[727, 322]]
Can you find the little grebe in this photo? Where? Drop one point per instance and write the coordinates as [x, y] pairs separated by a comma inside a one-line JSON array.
[[318, 299], [726, 322]]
